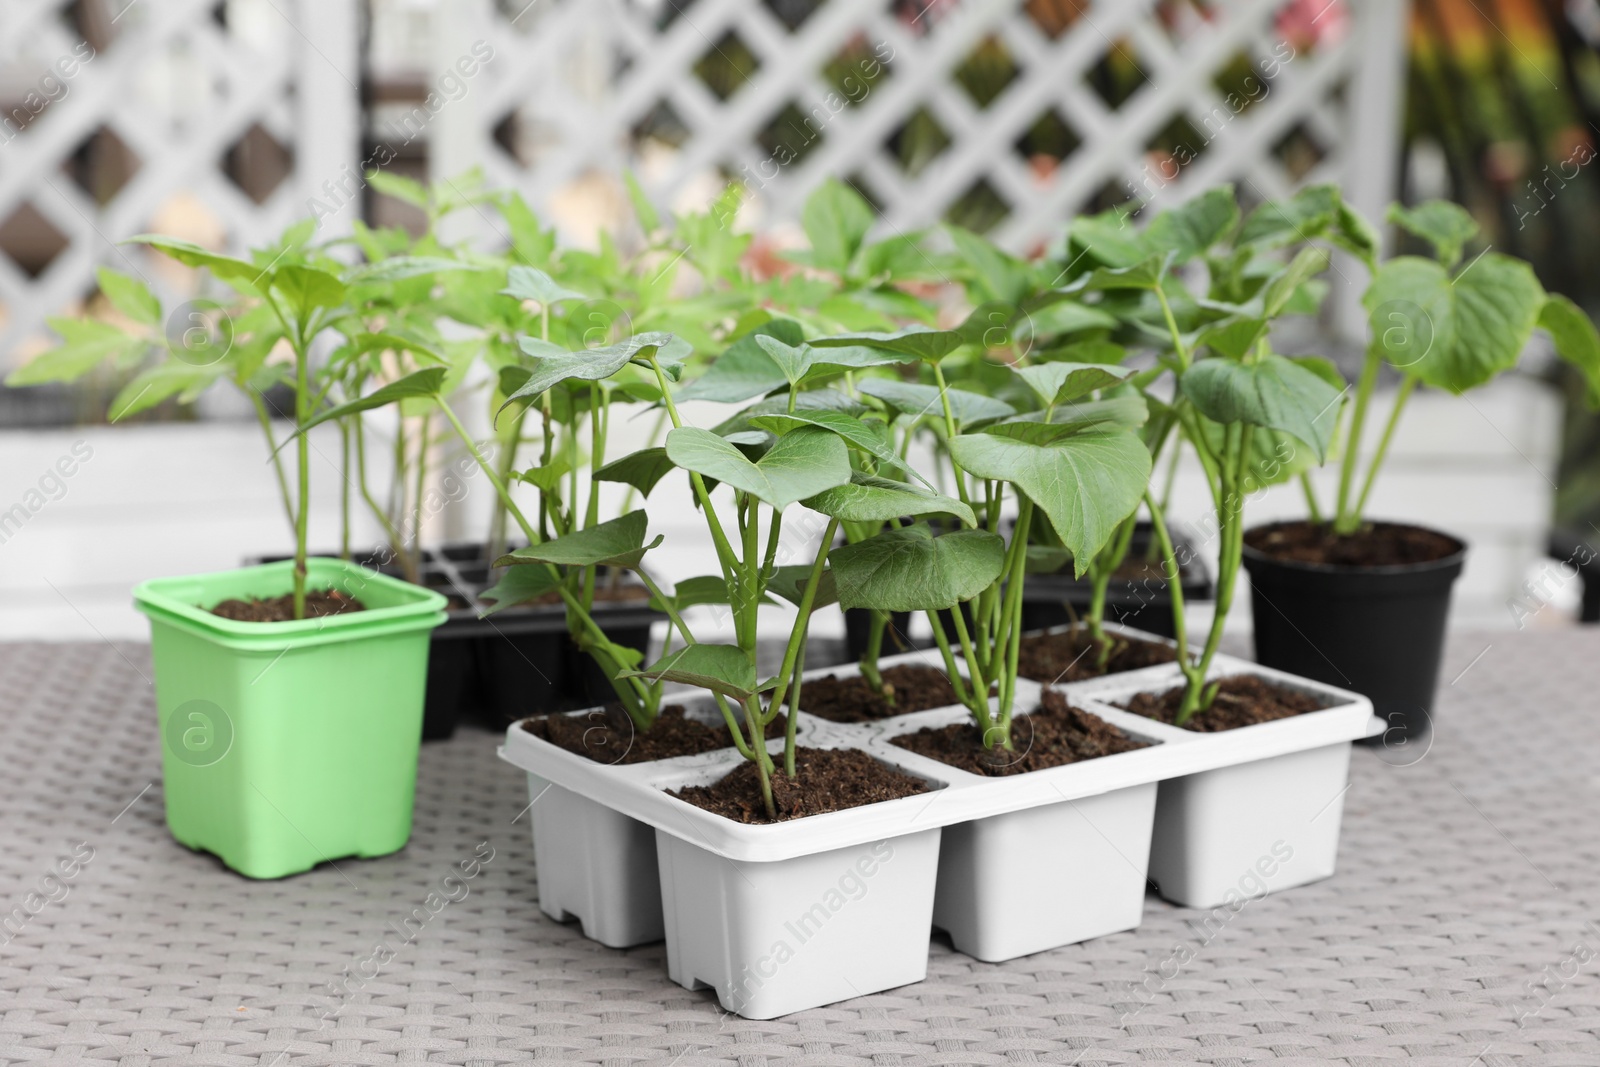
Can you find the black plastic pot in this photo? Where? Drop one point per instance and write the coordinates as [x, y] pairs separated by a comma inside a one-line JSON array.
[[1144, 602], [1376, 630], [515, 663]]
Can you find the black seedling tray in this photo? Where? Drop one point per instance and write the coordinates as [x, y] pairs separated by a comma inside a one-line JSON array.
[[515, 663]]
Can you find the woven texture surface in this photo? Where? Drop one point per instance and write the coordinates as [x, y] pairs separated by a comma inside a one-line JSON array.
[[1459, 930]]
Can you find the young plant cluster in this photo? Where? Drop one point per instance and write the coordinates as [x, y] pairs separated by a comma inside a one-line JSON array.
[[962, 417]]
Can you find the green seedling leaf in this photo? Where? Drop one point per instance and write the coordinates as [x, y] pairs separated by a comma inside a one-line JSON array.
[[1041, 428], [869, 498], [426, 382], [518, 585], [909, 569], [919, 342], [1192, 228], [1278, 292], [745, 370], [1234, 338], [1046, 559], [129, 296], [1575, 339], [1446, 226], [617, 543], [1058, 383], [553, 366], [1274, 392], [915, 399], [810, 400], [362, 343], [789, 582], [1086, 483], [641, 469], [548, 477], [1109, 238], [793, 360], [1062, 316], [190, 254], [801, 464], [306, 289], [706, 589], [725, 669], [85, 344], [836, 219], [1453, 334], [405, 190], [1000, 277], [1146, 274], [867, 435], [531, 283], [400, 268], [643, 209], [1303, 217], [172, 378]]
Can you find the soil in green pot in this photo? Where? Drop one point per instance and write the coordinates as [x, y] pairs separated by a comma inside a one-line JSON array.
[[1377, 544], [1242, 700], [826, 779], [852, 699], [1053, 735], [319, 603], [1072, 656]]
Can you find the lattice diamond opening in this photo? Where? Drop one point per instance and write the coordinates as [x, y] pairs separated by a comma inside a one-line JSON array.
[[987, 71], [30, 240], [1177, 146], [792, 134], [662, 123], [979, 209], [792, 13], [727, 66], [102, 165], [257, 163], [1242, 83], [856, 70], [1047, 143], [918, 142], [1299, 151], [1055, 17], [1117, 76]]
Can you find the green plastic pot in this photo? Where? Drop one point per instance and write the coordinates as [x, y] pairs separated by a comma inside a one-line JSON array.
[[289, 744]]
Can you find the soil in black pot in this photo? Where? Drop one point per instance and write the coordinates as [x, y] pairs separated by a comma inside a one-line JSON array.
[[1242, 700], [319, 603], [1052, 735], [852, 699], [1071, 656], [825, 780], [1377, 544]]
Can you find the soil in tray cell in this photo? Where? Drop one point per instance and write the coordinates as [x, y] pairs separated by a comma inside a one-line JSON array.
[[825, 780], [852, 698], [1053, 735], [1242, 700], [1072, 656], [607, 735]]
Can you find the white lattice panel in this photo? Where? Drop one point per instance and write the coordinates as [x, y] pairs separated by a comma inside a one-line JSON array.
[[178, 83], [573, 80]]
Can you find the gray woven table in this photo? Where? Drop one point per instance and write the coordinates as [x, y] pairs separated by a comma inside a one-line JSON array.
[[1459, 929]]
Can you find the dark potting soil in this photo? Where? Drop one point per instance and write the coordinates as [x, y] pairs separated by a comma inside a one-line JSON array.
[[852, 699], [1378, 544], [1052, 735], [825, 780], [281, 608], [1071, 656], [1242, 700], [607, 735]]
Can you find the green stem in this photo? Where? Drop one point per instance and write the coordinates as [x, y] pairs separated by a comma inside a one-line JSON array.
[[344, 490], [1407, 387], [1179, 619], [277, 459], [979, 707], [1011, 624], [1311, 498], [878, 621], [302, 415], [797, 636], [1342, 516]]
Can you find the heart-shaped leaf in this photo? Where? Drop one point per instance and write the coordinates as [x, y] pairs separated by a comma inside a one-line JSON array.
[[531, 283], [869, 498], [1058, 383], [1273, 392], [1086, 484], [617, 543], [1193, 227], [1303, 217], [725, 669], [518, 585], [915, 399], [745, 370], [809, 400], [802, 463], [836, 219], [909, 569], [922, 342], [641, 469], [789, 582], [792, 360], [868, 435], [705, 589], [1575, 339], [1037, 427], [552, 366], [1445, 225]]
